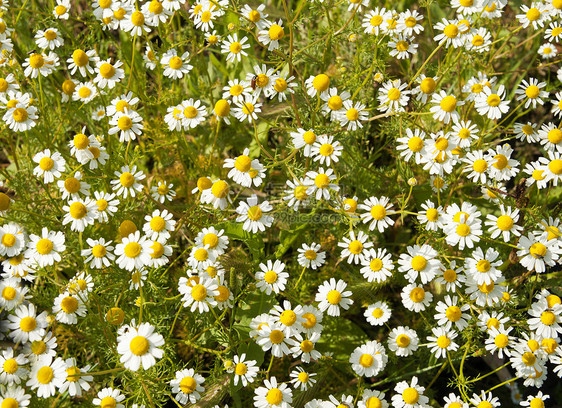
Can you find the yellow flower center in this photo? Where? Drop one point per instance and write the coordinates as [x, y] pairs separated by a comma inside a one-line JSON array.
[[44, 246], [537, 250], [418, 263], [548, 318], [443, 341], [276, 336], [240, 369], [247, 108], [322, 181], [139, 345], [309, 137], [480, 165], [410, 395], [288, 317], [45, 375], [355, 247], [486, 288], [448, 103], [222, 108], [366, 360], [201, 254], [417, 295], [157, 223], [310, 254], [199, 293], [72, 374], [36, 61], [529, 359], [280, 85], [483, 266], [254, 16], [270, 277], [333, 297], [321, 82], [463, 230], [505, 222], [493, 100], [137, 18], [533, 14], [8, 240], [555, 136], [9, 293], [255, 213], [335, 103], [451, 30], [20, 115], [60, 10], [155, 7], [403, 341], [555, 166], [188, 385], [274, 396], [377, 313], [132, 250], [394, 94], [10, 366], [501, 340], [262, 80], [108, 402], [107, 70], [80, 58], [9, 403], [78, 210], [453, 313], [276, 32], [532, 91], [69, 304], [310, 320], [307, 346]]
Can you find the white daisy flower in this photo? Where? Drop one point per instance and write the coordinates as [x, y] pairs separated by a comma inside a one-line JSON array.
[[252, 215], [320, 183], [245, 371], [271, 34], [140, 347], [234, 47], [448, 313], [128, 181], [175, 67], [326, 150], [109, 397], [45, 249], [67, 307], [133, 252], [378, 313], [200, 296], [273, 395], [49, 38], [272, 277], [377, 215], [403, 341], [369, 359], [12, 240], [310, 256], [187, 386], [46, 376], [332, 296], [79, 213], [127, 123]]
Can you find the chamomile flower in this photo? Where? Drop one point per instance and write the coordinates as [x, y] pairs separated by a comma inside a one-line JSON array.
[[45, 249], [479, 40], [76, 379], [369, 359], [426, 88], [127, 183], [200, 296], [159, 225], [12, 293], [352, 115], [139, 347], [46, 376], [377, 213], [79, 213], [282, 86], [500, 341], [535, 401], [355, 248], [310, 256], [415, 298], [155, 12], [256, 15], [163, 192], [451, 34], [464, 233], [449, 314], [402, 47], [127, 123], [451, 277], [133, 252], [271, 34], [420, 261], [187, 386], [393, 96], [491, 103], [67, 307], [273, 395], [271, 337], [409, 395], [536, 15], [289, 318], [72, 186], [12, 367], [442, 342], [21, 118], [333, 297], [216, 240], [503, 167], [109, 397], [378, 313], [14, 396], [107, 205], [317, 85], [8, 83], [532, 92], [49, 38], [485, 400], [175, 67], [245, 371], [218, 194], [25, 325], [504, 225], [431, 216], [302, 379], [40, 64], [135, 23], [477, 164], [304, 138], [409, 23], [313, 321], [263, 78], [403, 341], [85, 92], [272, 277], [252, 215], [82, 61], [333, 105], [482, 267], [320, 183], [222, 110], [484, 294], [326, 150], [463, 133], [247, 109], [61, 10], [81, 284], [557, 104], [550, 136], [234, 47], [411, 145], [445, 111], [537, 252], [237, 90], [12, 240], [373, 20]]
